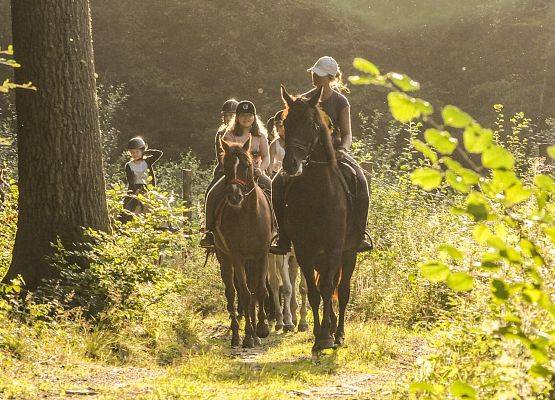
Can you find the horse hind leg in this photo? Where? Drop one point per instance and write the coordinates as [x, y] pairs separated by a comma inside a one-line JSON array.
[[260, 272], [273, 277], [303, 323], [288, 325], [293, 272]]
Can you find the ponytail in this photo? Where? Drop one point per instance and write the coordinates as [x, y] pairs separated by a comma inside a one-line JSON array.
[[338, 84]]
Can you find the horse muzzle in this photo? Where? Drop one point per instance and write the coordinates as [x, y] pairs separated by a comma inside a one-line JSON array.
[[235, 196], [292, 166]]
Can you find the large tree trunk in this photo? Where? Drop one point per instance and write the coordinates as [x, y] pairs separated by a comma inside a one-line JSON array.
[[61, 181]]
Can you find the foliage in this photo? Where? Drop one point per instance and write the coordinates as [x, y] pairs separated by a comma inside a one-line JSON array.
[[511, 219]]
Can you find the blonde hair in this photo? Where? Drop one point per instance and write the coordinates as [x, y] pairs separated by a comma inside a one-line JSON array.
[[337, 82]]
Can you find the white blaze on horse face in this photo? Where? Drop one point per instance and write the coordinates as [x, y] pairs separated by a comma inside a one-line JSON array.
[[235, 167]]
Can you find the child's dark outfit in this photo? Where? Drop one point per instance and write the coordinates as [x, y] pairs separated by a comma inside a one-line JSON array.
[[139, 174]]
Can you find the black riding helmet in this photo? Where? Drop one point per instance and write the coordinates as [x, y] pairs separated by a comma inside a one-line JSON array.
[[246, 107], [229, 106], [136, 143]]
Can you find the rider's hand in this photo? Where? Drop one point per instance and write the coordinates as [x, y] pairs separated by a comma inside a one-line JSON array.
[[340, 152]]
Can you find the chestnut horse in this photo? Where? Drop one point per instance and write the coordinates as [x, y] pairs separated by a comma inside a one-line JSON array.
[[318, 216], [242, 237]]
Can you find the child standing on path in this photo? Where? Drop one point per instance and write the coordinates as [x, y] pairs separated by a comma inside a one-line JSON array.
[[139, 172]]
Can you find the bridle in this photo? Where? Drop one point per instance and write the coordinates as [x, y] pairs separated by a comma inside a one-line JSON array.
[[307, 148], [243, 184]]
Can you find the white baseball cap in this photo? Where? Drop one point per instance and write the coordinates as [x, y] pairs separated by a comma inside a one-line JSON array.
[[325, 66]]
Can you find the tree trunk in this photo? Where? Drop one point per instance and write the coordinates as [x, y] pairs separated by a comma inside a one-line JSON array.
[[61, 180]]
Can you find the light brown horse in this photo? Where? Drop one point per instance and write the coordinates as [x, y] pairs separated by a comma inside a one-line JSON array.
[[318, 216], [242, 237]]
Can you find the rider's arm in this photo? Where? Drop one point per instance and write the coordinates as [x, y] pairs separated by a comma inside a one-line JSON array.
[[345, 128], [272, 156], [153, 156], [264, 153]]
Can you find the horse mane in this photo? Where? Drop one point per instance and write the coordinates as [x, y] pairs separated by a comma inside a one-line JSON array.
[[324, 133]]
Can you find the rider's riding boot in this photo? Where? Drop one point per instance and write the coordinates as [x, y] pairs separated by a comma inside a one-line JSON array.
[[282, 246], [365, 245], [207, 240], [283, 243], [361, 216]]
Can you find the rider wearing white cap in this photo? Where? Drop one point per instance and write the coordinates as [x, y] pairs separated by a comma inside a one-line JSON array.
[[327, 75]]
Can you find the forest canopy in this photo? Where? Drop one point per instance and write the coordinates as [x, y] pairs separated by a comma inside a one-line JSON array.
[[177, 57]]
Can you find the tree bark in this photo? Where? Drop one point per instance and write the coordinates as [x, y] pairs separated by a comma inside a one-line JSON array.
[[61, 180]]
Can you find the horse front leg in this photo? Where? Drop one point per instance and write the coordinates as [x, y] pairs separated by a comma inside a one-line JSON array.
[[303, 289], [226, 272], [327, 279], [244, 299], [349, 262], [286, 291], [273, 278]]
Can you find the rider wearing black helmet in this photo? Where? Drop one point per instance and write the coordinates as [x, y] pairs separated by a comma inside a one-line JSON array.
[[139, 171]]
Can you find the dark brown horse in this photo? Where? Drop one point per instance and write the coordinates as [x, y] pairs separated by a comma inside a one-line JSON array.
[[317, 216], [242, 238]]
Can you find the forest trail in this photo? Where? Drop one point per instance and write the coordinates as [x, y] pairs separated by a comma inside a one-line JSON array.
[[376, 361]]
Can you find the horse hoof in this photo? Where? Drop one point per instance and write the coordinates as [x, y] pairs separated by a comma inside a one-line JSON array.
[[235, 341], [248, 343], [257, 341], [288, 328], [294, 322], [262, 330], [279, 327], [339, 341], [322, 344], [303, 327]]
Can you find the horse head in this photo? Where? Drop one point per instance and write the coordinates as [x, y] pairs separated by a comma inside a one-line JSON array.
[[305, 131], [238, 169]]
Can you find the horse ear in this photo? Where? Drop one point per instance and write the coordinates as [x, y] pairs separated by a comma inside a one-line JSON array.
[[287, 99], [316, 97], [224, 145], [247, 145]]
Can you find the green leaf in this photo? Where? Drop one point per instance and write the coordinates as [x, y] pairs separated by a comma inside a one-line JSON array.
[[405, 108], [476, 139], [421, 387], [365, 66], [477, 206], [516, 194], [403, 82], [545, 182], [435, 271], [496, 157], [456, 118], [532, 295], [460, 282], [424, 107], [540, 371], [5, 141], [360, 80], [551, 152], [500, 289], [402, 107], [456, 182], [451, 251], [481, 233], [462, 390], [442, 141], [426, 178], [425, 150]]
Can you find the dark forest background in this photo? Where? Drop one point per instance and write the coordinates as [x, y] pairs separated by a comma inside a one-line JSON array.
[[179, 60]]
